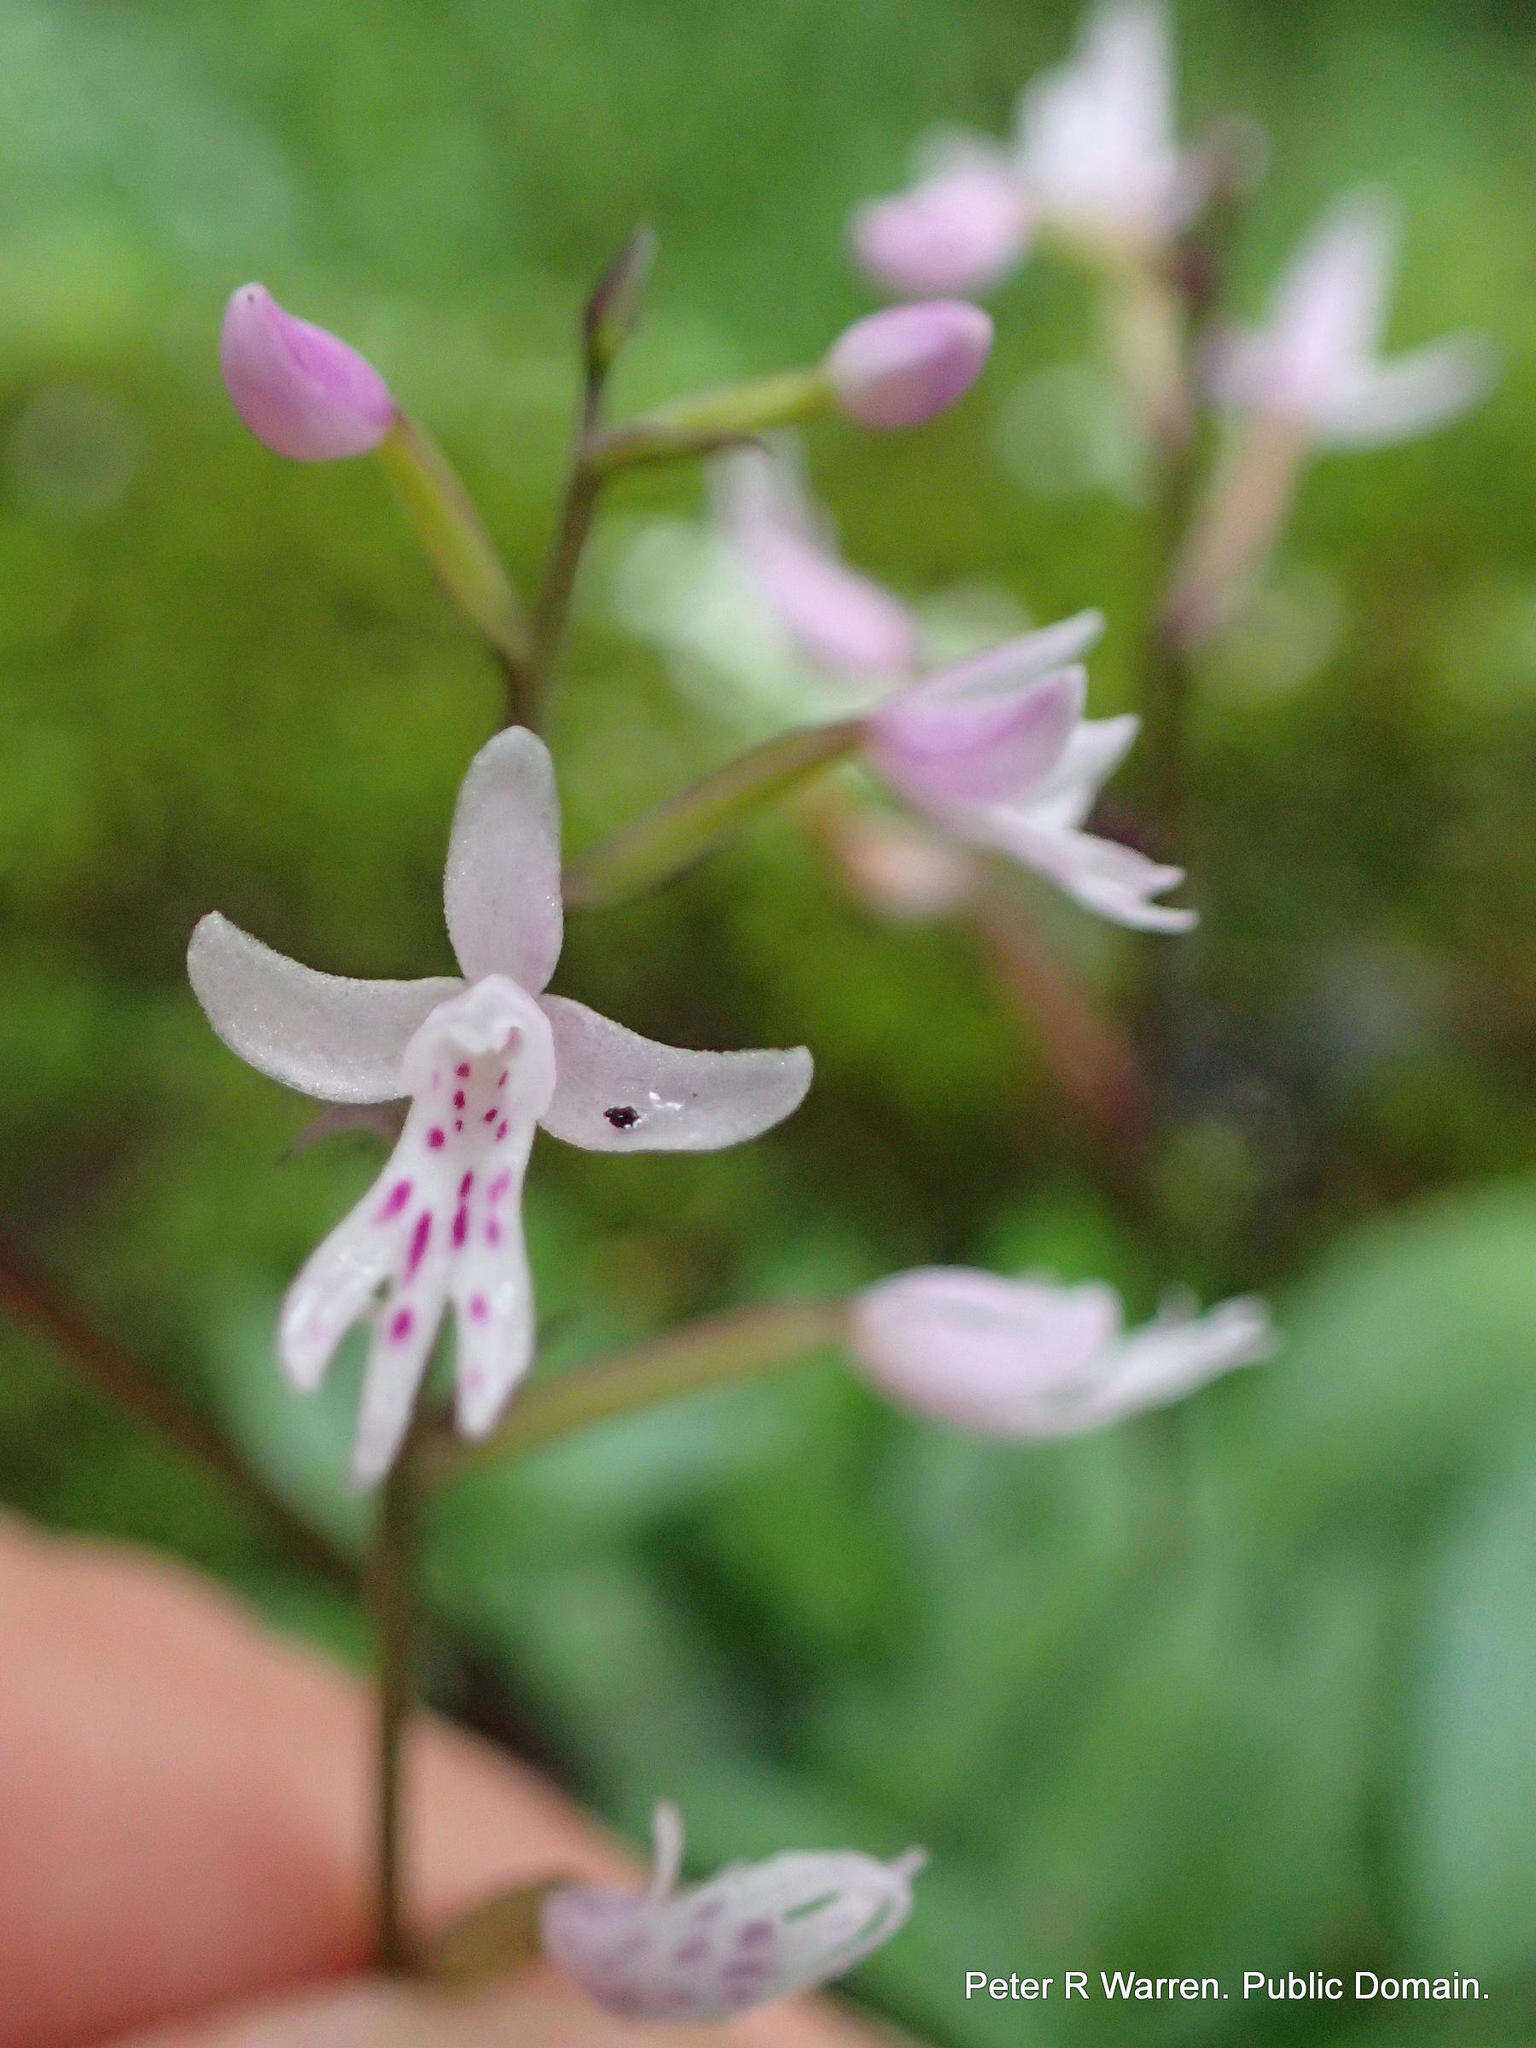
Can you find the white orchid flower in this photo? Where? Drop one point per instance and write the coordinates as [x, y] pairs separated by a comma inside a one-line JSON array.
[[483, 1060], [755, 1933], [1315, 366], [1032, 1359]]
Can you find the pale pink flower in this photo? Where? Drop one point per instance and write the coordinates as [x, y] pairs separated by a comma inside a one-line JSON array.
[[483, 1060], [1031, 1359], [304, 393], [755, 1933], [1097, 147], [960, 228], [840, 620], [1315, 365], [1095, 161], [994, 748], [903, 366]]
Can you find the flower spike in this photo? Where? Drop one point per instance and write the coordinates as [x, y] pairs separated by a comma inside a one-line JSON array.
[[483, 1062], [755, 1933], [1026, 1358], [299, 389]]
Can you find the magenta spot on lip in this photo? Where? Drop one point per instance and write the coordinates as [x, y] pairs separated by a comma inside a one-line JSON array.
[[479, 1309], [710, 1909], [458, 1098], [489, 1117], [402, 1326], [437, 1138], [755, 1933], [498, 1187], [474, 1379], [461, 1225], [421, 1237], [493, 1232], [399, 1195], [501, 1080], [691, 1952], [465, 1185], [458, 1123], [501, 1132], [463, 1072]]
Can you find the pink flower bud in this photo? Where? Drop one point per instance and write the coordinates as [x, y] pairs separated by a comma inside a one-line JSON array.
[[960, 231], [300, 390], [900, 367]]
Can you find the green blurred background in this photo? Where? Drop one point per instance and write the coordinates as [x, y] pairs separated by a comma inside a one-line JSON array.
[[1304, 1737]]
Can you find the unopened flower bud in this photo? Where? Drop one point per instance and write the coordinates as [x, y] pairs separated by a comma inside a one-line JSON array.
[[304, 393], [901, 367]]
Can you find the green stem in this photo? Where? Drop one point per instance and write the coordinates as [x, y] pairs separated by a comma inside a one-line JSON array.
[[715, 419], [454, 536], [680, 831], [393, 1574], [716, 1352]]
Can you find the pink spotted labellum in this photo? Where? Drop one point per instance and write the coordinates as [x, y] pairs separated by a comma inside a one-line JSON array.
[[484, 1060], [754, 1933], [995, 749], [1031, 1359]]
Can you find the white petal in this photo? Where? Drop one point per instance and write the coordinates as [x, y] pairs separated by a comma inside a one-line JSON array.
[[1331, 304], [330, 1036], [1092, 755], [1096, 136], [1027, 658], [755, 1933], [501, 886], [493, 1295], [618, 1092], [1179, 1352], [1410, 395], [1114, 881]]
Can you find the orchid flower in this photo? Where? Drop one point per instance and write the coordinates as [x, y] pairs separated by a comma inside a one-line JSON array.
[[1095, 161], [994, 748], [1027, 1358], [755, 1933], [483, 1060], [1314, 367]]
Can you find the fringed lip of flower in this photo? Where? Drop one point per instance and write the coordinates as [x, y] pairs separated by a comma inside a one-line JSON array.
[[484, 1060], [1316, 363], [748, 1936], [1034, 1359]]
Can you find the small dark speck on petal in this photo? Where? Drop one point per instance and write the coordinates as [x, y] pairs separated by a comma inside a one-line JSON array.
[[622, 1117]]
